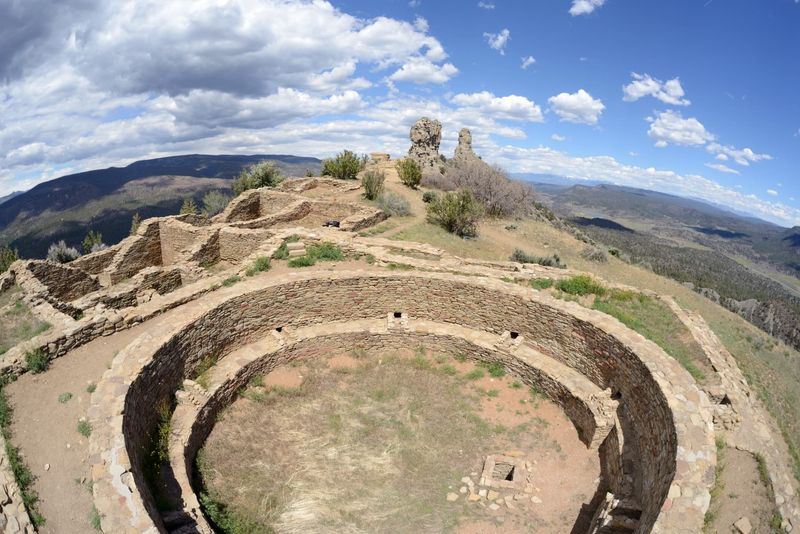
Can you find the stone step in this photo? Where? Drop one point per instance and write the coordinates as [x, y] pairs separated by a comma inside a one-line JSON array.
[[297, 252]]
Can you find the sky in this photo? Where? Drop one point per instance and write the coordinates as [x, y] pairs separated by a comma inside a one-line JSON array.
[[699, 98]]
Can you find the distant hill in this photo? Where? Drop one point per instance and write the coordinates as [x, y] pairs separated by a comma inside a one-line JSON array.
[[105, 200], [748, 265], [10, 196]]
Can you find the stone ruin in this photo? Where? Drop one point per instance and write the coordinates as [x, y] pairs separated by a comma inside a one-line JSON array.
[[651, 424], [426, 135]]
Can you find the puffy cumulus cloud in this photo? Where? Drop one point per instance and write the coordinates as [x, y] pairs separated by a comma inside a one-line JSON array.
[[543, 160], [512, 107], [578, 107], [669, 127], [669, 92], [743, 157], [420, 70], [498, 41], [83, 85], [527, 62], [584, 7], [722, 168]]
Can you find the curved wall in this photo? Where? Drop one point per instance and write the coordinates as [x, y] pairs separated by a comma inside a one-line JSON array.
[[662, 428]]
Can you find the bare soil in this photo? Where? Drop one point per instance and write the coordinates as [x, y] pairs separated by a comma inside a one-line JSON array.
[[741, 492], [375, 443]]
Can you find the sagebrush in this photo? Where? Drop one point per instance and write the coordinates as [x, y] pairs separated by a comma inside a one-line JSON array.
[[458, 212], [262, 174], [344, 166]]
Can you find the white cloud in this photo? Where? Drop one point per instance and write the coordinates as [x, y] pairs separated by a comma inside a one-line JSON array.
[[772, 192], [670, 127], [578, 107], [498, 41], [512, 107], [545, 160], [584, 7], [722, 168], [742, 157], [414, 3], [420, 70], [485, 5], [669, 92], [527, 62], [556, 137]]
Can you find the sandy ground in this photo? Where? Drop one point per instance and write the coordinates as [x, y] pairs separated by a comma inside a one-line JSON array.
[[743, 494], [46, 429]]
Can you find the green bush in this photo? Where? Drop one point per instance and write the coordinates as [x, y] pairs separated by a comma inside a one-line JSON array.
[[7, 257], [324, 252], [262, 174], [64, 397], [228, 282], [541, 283], [37, 361], [581, 284], [345, 166], [302, 261], [188, 207], [372, 181], [92, 240], [259, 266], [548, 261], [457, 212], [84, 428], [496, 369], [214, 202], [429, 196], [394, 205], [410, 173]]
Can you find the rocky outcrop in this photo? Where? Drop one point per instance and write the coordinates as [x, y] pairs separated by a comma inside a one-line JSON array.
[[426, 135], [464, 148]]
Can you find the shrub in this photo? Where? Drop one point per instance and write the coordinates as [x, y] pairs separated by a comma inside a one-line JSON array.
[[302, 261], [409, 172], [541, 283], [581, 284], [93, 239], [64, 397], [394, 204], [135, 222], [259, 266], [429, 196], [61, 253], [37, 361], [372, 181], [7, 257], [95, 519], [84, 428], [324, 252], [594, 254], [457, 212], [496, 369], [521, 256], [262, 174], [188, 207], [345, 166], [91, 387], [497, 193], [214, 202], [228, 282]]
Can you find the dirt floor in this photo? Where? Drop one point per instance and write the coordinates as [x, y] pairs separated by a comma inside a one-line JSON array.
[[393, 443], [740, 493]]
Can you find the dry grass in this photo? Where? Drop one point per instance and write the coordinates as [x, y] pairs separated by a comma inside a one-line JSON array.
[[17, 323], [373, 449]]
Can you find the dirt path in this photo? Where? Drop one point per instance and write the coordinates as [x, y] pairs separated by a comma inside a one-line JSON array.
[[46, 429]]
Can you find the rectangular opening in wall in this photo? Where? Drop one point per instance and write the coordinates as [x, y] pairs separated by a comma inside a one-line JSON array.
[[514, 335], [398, 315]]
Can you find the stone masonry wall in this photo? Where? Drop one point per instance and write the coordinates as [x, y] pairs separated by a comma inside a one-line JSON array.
[[579, 338]]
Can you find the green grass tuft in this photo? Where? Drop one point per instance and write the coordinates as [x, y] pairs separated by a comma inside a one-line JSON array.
[[581, 284], [37, 361], [64, 397], [84, 428]]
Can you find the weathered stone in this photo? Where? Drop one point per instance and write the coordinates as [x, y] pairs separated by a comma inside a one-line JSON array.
[[426, 135], [464, 149], [743, 526], [451, 497]]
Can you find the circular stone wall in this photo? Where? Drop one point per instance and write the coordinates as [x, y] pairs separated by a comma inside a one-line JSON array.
[[664, 425]]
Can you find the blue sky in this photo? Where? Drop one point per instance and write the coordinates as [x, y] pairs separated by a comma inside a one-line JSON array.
[[697, 98]]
